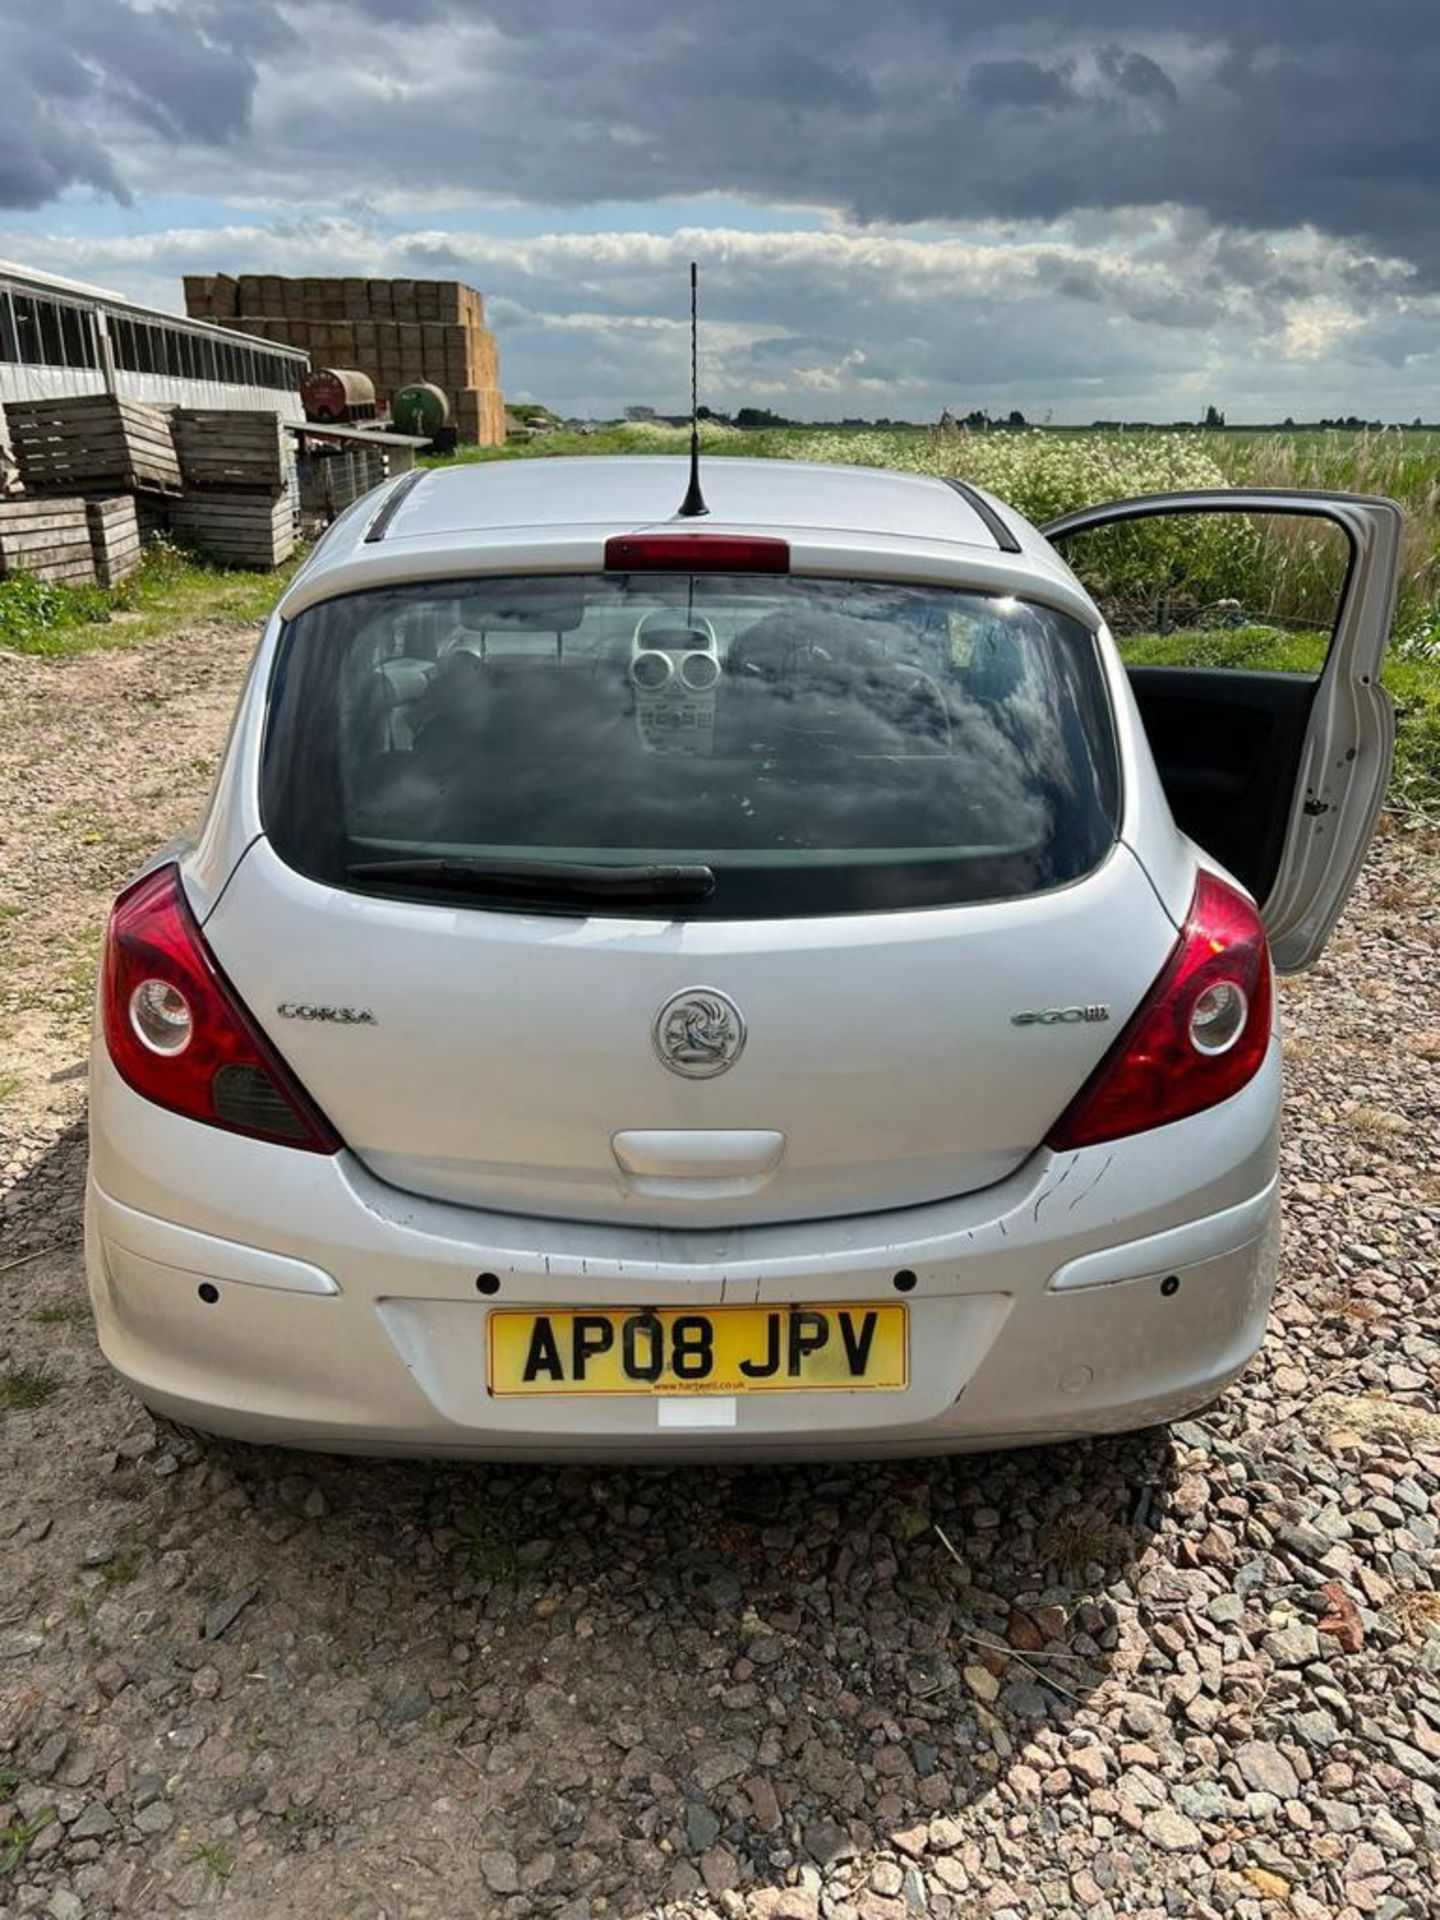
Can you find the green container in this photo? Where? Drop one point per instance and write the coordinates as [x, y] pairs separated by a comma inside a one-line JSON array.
[[420, 408]]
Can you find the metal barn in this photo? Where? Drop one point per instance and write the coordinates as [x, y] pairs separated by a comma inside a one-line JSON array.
[[60, 338]]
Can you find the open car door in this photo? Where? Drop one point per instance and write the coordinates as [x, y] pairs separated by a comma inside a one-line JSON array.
[[1279, 773]]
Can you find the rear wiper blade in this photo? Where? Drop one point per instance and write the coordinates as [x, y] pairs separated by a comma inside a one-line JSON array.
[[544, 880]]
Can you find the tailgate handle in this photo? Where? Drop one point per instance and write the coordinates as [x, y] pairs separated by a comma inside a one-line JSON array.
[[698, 1153]]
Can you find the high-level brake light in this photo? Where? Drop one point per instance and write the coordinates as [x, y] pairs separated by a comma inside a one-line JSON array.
[[696, 553]]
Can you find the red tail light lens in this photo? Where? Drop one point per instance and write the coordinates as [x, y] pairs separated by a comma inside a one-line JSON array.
[[179, 1034], [696, 553], [1200, 1035]]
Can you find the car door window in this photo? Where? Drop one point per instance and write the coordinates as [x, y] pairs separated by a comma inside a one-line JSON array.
[[1258, 591]]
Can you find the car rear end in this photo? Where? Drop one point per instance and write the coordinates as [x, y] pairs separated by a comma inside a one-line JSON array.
[[659, 993]]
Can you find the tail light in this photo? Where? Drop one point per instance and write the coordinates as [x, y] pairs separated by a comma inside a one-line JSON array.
[[1200, 1035], [179, 1034], [696, 553]]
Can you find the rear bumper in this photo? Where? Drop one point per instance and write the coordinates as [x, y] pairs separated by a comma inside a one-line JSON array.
[[1089, 1293]]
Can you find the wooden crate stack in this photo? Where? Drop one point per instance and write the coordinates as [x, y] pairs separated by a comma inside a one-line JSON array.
[[48, 538], [223, 447], [254, 530], [95, 440], [114, 537], [397, 331], [237, 505]]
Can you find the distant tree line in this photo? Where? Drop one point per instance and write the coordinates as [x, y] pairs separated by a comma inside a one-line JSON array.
[[979, 420], [759, 417]]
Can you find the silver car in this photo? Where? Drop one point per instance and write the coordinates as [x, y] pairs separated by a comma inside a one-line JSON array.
[[667, 987]]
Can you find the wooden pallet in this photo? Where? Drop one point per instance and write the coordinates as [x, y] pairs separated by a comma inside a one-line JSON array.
[[238, 529], [114, 537], [231, 449], [47, 538], [94, 440]]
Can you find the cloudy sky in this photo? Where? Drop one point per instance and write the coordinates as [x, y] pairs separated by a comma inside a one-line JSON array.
[[1082, 208]]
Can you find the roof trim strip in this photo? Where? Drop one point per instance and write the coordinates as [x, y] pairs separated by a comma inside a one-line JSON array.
[[394, 500], [1003, 537]]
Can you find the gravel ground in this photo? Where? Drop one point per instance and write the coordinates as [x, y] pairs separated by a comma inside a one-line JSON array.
[[1188, 1673]]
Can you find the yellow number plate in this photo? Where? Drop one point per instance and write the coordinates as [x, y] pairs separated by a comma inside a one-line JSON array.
[[704, 1350]]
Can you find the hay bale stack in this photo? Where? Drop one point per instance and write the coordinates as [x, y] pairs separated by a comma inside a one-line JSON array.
[[396, 331], [480, 415], [47, 538], [114, 538], [95, 440]]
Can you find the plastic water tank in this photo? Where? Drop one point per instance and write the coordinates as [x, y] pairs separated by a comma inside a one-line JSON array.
[[338, 393], [420, 408]]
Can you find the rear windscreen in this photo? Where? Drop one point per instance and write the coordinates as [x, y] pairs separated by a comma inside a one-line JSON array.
[[822, 746]]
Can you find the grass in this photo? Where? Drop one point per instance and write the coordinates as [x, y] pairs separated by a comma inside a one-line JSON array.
[[17, 1838], [171, 589], [1404, 466], [124, 1568], [64, 1313], [487, 1542], [1412, 682], [1415, 1611], [22, 1389], [1075, 1545], [1377, 1127], [1373, 1415], [217, 1859]]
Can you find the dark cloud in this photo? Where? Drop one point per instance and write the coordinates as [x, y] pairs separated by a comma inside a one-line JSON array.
[[83, 75], [1258, 118], [1019, 83], [1138, 75], [1300, 111], [40, 157]]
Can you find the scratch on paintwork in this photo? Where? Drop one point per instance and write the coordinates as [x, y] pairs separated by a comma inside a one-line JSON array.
[[1052, 1190], [1109, 1162], [1004, 1230]]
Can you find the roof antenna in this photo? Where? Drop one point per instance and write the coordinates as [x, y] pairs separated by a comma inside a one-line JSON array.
[[693, 506]]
